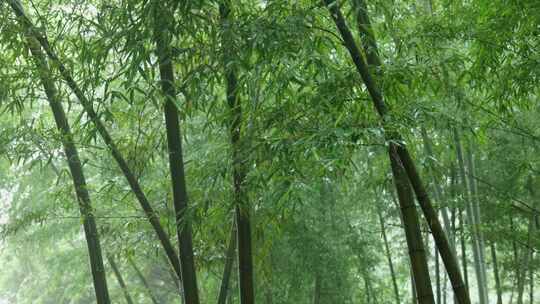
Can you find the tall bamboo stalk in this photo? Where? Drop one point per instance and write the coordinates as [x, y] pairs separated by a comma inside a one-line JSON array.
[[102, 131], [381, 108], [76, 170], [498, 289], [176, 160], [227, 269], [242, 208], [74, 164], [475, 206], [389, 256], [471, 219]]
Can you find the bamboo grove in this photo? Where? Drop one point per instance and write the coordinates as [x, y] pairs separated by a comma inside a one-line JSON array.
[[221, 151]]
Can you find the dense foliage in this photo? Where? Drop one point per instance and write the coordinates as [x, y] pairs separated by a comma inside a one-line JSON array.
[[278, 134]]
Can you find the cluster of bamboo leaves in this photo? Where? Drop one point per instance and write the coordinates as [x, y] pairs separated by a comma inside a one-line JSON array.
[[308, 151]]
